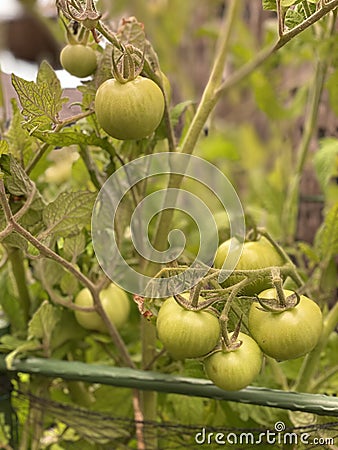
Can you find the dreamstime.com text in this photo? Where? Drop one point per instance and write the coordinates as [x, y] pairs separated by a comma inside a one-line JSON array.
[[278, 436]]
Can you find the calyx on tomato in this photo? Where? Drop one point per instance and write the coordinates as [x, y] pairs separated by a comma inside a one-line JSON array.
[[276, 305]]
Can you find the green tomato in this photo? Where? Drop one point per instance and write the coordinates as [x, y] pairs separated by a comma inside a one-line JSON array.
[[115, 303], [131, 110], [79, 60], [288, 334], [232, 370], [185, 333], [255, 255]]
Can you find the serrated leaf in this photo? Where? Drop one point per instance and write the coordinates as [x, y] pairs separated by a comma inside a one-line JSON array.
[[294, 17], [69, 284], [21, 144], [269, 5], [309, 252], [16, 180], [4, 149], [73, 246], [48, 272], [69, 213], [16, 241], [41, 100], [178, 110], [72, 136], [43, 322], [66, 329], [287, 3], [132, 32], [19, 185], [8, 343], [326, 161], [326, 240]]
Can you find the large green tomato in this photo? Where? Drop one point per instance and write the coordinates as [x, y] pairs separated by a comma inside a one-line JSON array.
[[288, 334], [79, 60], [184, 333], [115, 303], [255, 255], [235, 369], [131, 110]]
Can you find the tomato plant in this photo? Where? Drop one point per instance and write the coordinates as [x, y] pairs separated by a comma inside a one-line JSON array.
[[184, 333], [115, 303], [289, 333], [241, 100], [130, 110], [259, 254], [234, 369], [79, 60]]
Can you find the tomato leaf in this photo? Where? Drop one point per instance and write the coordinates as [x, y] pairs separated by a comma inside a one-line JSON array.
[[294, 17], [326, 161], [41, 100], [66, 329], [20, 143], [269, 5], [72, 137], [73, 246], [23, 347], [43, 322], [326, 240], [132, 32], [19, 185], [4, 148], [68, 214]]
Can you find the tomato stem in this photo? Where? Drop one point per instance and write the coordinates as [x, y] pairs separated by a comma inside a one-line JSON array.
[[278, 284], [195, 294]]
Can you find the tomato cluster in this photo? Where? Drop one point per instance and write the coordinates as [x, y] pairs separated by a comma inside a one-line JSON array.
[[233, 361], [132, 108]]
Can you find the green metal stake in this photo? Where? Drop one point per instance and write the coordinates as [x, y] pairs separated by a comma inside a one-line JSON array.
[[8, 418]]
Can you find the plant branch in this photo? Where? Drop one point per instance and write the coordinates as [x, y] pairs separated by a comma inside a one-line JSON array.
[[48, 253], [265, 53]]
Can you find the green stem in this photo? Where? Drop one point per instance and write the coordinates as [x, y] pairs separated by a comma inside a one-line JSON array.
[[148, 398], [278, 284], [278, 373], [91, 167], [208, 101], [290, 211], [15, 256], [318, 382], [312, 360]]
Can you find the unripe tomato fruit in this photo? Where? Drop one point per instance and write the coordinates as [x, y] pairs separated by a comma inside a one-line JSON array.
[[115, 303], [79, 60], [235, 369], [184, 333], [255, 255], [131, 110], [288, 334]]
